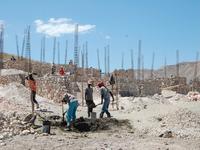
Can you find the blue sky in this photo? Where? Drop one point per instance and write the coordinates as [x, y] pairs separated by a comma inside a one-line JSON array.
[[163, 26]]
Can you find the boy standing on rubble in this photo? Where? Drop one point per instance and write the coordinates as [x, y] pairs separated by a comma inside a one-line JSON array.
[[71, 112], [32, 85], [89, 97], [105, 99]]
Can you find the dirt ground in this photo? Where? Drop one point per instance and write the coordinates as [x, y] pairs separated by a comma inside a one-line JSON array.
[[165, 122]]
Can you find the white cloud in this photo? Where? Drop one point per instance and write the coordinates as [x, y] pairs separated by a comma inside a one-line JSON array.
[[57, 27], [107, 37]]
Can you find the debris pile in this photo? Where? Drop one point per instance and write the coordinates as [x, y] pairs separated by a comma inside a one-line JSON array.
[[183, 123], [194, 96], [85, 125], [11, 126]]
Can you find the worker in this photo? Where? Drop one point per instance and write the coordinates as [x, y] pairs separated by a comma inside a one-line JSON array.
[[105, 99], [53, 68], [71, 112], [32, 85], [89, 97], [13, 59], [61, 71]]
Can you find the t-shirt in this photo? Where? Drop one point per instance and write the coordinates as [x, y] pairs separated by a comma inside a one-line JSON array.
[[105, 93], [32, 85], [89, 94]]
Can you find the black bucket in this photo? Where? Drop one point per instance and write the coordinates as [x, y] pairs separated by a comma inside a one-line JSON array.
[[46, 127]]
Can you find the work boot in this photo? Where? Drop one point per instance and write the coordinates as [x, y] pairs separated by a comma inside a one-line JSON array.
[[37, 106], [101, 115], [108, 114], [88, 114]]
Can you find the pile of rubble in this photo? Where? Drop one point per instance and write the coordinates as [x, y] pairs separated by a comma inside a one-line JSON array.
[[14, 125], [85, 124], [194, 96], [182, 123]]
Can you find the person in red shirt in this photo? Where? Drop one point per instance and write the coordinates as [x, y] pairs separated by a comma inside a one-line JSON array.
[[32, 86], [62, 72]]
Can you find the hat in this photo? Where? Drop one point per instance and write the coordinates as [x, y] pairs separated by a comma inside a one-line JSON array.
[[71, 97], [90, 82], [100, 84]]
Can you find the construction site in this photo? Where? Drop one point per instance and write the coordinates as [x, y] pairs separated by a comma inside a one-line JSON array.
[[153, 109]]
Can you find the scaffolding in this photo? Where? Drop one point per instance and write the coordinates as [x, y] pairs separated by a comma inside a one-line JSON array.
[[196, 66], [86, 54], [1, 45], [142, 72], [44, 49], [132, 64], [23, 44], [28, 65], [58, 44], [108, 59], [122, 63], [66, 52], [177, 63], [165, 68], [54, 49], [152, 66], [105, 59], [17, 46], [139, 60], [41, 51], [76, 48], [98, 60]]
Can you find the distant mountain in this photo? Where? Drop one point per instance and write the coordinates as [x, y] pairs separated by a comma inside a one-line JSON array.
[[186, 69]]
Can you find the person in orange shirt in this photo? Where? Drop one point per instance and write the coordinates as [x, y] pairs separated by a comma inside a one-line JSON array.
[[32, 85]]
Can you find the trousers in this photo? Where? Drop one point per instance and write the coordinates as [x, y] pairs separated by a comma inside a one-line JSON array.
[[71, 113]]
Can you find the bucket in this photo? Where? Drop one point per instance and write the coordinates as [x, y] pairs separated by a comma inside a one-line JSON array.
[[46, 127], [93, 116]]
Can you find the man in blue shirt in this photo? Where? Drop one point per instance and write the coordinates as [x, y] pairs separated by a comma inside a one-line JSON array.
[[105, 99]]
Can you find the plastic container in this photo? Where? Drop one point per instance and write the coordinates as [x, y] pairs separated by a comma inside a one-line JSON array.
[[46, 127]]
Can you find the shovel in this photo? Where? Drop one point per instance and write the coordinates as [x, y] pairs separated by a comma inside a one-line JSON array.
[[93, 105], [63, 116]]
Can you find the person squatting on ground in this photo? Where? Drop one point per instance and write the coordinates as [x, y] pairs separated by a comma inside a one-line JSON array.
[[32, 86], [71, 111], [89, 97], [105, 99]]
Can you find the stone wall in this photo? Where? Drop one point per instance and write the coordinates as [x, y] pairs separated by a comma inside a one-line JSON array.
[[55, 87], [45, 69], [50, 87], [150, 87]]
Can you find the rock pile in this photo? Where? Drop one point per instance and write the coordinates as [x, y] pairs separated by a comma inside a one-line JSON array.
[[183, 123], [14, 125], [194, 96]]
